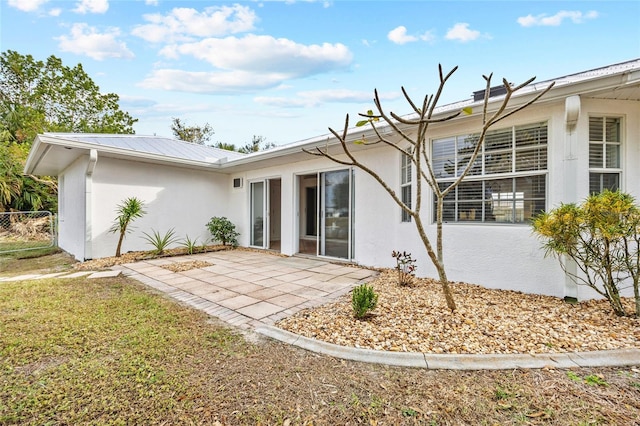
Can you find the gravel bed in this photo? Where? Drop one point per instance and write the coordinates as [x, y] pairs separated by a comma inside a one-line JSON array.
[[415, 319]]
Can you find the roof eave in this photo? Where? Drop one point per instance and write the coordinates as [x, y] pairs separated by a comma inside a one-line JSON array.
[[43, 143]]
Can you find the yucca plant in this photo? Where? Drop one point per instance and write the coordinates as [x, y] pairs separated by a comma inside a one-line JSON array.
[[159, 241], [130, 209], [189, 244]]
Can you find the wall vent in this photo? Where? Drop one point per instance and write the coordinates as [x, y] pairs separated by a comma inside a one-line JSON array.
[[237, 182]]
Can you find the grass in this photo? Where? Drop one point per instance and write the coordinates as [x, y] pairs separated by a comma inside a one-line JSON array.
[[45, 259], [110, 351]]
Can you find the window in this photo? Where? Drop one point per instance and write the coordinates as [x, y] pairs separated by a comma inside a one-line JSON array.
[[506, 183], [405, 185], [604, 154]]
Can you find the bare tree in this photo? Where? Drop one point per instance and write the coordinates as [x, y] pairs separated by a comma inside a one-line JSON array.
[[413, 130]]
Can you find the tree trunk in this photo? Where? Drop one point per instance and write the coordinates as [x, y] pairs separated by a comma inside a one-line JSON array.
[[636, 293], [119, 244], [442, 275]]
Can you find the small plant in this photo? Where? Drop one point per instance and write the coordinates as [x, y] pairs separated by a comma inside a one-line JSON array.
[[130, 209], [573, 376], [223, 230], [363, 300], [501, 393], [159, 241], [190, 245], [591, 379], [406, 267], [595, 380], [409, 412]]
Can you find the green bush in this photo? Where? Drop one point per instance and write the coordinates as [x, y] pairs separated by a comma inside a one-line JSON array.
[[363, 300], [602, 237], [223, 230]]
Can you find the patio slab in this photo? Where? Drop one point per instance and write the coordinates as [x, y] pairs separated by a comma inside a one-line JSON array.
[[249, 288]]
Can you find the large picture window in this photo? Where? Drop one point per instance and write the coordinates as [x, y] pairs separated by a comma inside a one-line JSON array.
[[604, 153], [507, 182]]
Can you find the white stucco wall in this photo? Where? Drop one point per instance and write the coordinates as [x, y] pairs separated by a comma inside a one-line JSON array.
[[178, 198], [71, 212], [504, 256], [494, 255]]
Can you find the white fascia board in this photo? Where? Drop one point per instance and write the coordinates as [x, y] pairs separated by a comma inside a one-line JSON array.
[[34, 157], [155, 158]]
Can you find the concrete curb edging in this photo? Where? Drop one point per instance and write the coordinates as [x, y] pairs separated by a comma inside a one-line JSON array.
[[611, 358]]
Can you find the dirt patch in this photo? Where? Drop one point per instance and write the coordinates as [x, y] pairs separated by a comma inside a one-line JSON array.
[[134, 256], [415, 319]]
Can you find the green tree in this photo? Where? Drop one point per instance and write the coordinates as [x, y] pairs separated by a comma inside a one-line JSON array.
[[258, 143], [130, 209], [415, 145], [224, 145], [602, 237], [46, 96], [23, 192], [193, 134]]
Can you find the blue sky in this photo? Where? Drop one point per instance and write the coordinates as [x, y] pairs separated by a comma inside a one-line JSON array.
[[288, 70]]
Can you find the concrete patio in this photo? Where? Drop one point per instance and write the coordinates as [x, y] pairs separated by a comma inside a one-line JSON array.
[[248, 289]]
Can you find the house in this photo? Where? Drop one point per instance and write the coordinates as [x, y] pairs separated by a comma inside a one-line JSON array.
[[582, 136]]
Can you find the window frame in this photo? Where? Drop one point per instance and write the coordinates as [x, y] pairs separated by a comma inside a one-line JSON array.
[[603, 171], [406, 185], [517, 171]]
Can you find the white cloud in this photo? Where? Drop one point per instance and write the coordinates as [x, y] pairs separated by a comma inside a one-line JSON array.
[[461, 32], [91, 6], [325, 3], [265, 54], [151, 2], [27, 5], [210, 82], [399, 35], [182, 24], [576, 17], [55, 12], [315, 98], [86, 40]]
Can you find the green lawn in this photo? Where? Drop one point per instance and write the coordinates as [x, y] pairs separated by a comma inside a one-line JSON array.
[[110, 351]]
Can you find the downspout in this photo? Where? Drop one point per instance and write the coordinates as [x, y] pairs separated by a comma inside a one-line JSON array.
[[88, 202], [570, 195]]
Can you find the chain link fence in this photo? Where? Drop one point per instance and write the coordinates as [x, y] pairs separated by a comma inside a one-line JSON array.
[[26, 231]]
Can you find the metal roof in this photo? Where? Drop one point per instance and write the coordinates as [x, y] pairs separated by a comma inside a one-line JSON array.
[[54, 151], [156, 145]]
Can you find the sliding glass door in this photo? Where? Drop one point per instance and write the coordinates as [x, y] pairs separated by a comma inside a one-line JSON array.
[[335, 213], [258, 213]]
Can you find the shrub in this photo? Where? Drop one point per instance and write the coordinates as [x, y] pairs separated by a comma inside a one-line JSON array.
[[363, 300], [159, 241], [602, 237], [223, 230], [406, 267]]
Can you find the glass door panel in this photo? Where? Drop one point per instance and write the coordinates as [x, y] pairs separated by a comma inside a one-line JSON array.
[[257, 214], [335, 214]]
